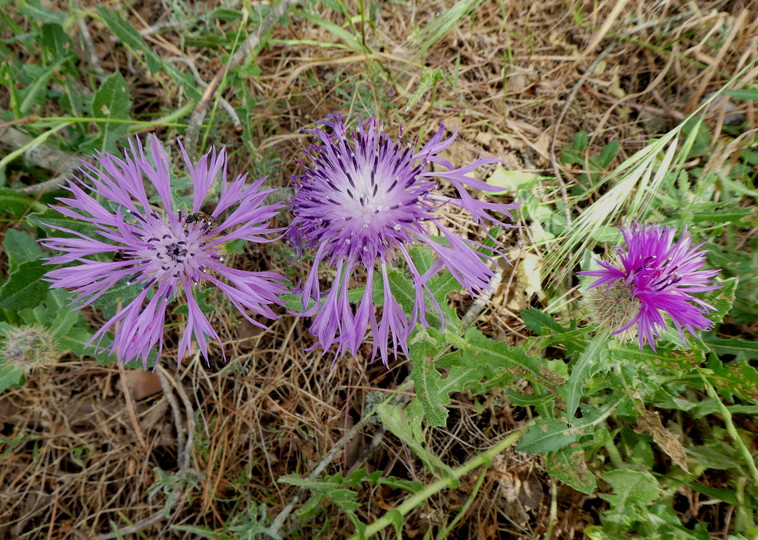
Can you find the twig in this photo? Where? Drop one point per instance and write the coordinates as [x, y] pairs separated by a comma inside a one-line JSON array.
[[40, 155], [198, 115], [180, 426], [130, 407], [481, 302], [89, 45], [224, 103], [559, 121], [137, 527]]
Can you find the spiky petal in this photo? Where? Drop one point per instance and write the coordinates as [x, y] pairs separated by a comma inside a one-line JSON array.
[[168, 251]]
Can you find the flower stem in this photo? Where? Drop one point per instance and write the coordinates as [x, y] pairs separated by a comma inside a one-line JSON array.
[[416, 499], [730, 426]]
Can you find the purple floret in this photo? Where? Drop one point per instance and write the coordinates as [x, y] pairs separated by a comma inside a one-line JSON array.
[[362, 202], [170, 252], [662, 277]]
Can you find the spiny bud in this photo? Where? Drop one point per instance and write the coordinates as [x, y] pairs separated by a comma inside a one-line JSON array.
[[28, 347], [613, 308]]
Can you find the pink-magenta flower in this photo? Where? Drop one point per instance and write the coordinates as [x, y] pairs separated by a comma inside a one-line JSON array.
[[362, 201], [168, 251], [656, 277]]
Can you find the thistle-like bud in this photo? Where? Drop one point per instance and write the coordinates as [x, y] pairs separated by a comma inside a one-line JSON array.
[[28, 347]]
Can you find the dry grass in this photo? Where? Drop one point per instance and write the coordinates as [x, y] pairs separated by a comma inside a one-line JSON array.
[[72, 461]]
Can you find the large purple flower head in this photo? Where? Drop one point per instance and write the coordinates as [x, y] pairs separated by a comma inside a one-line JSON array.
[[656, 276], [363, 200], [166, 250]]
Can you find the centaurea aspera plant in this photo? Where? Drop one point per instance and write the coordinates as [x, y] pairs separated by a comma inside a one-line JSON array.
[[361, 203], [656, 276], [166, 250]]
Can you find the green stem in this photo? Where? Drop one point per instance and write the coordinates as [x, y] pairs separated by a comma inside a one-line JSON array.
[[416, 499], [39, 139], [730, 426]]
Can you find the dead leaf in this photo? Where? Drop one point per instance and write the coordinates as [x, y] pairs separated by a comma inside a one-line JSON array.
[[141, 384], [650, 422]]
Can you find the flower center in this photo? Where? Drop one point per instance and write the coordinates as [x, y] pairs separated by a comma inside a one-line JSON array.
[[171, 250]]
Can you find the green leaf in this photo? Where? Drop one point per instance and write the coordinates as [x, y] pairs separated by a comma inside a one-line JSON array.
[[20, 248], [593, 360], [395, 419], [122, 293], [55, 41], [53, 313], [422, 352], [722, 299], [568, 465], [130, 37], [491, 358], [540, 322], [10, 376], [546, 436], [13, 203], [45, 14], [742, 349], [24, 287], [630, 488], [112, 101], [52, 220], [743, 94]]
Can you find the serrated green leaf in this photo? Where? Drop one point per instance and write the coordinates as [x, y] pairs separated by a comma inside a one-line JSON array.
[[395, 419], [538, 322], [593, 360], [630, 488], [722, 299], [20, 248], [24, 287], [491, 357], [427, 379], [568, 465], [546, 436]]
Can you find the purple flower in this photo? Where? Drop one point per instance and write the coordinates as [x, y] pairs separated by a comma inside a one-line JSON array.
[[655, 277], [361, 203], [168, 251]]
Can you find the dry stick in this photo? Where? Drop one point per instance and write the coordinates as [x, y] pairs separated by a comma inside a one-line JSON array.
[[130, 406], [199, 80], [42, 156], [198, 115], [556, 128], [400, 400], [87, 39], [180, 428]]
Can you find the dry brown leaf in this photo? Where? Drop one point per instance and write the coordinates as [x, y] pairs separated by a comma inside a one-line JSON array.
[[650, 422]]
